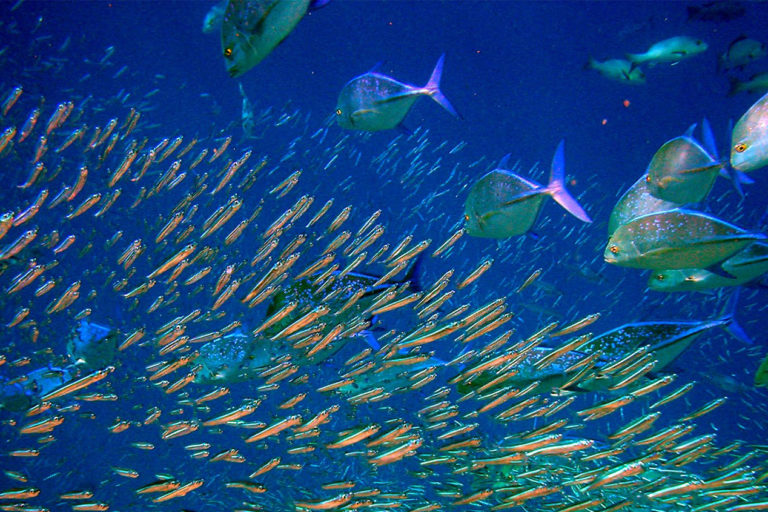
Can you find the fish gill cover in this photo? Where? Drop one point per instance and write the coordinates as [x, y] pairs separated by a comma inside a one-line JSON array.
[[215, 297]]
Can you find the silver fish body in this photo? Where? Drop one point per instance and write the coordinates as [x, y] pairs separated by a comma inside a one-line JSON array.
[[374, 102], [637, 201], [676, 239], [749, 141]]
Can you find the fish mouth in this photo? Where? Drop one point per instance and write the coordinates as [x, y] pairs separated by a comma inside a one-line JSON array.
[[609, 259], [234, 72]]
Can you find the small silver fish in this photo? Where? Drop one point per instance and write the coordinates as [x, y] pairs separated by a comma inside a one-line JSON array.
[[502, 204], [675, 239], [374, 102], [749, 140], [672, 50]]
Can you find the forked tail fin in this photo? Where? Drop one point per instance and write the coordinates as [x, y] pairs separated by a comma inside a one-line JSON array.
[[557, 189], [433, 88], [731, 326]]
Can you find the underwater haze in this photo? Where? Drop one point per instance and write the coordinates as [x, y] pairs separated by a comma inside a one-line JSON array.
[[237, 293]]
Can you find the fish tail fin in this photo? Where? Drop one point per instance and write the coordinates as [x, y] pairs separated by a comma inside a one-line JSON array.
[[557, 189], [590, 64], [634, 58], [413, 276], [728, 316], [433, 88]]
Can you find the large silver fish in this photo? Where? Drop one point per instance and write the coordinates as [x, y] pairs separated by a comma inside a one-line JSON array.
[[251, 29], [682, 171], [234, 357], [749, 141], [503, 204], [744, 266], [374, 102], [637, 201], [676, 239], [666, 339]]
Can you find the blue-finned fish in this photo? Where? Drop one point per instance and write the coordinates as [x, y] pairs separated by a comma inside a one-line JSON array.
[[749, 140], [676, 239], [251, 29], [503, 204], [373, 101]]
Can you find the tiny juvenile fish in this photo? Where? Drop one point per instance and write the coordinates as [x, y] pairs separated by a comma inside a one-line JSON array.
[[374, 101]]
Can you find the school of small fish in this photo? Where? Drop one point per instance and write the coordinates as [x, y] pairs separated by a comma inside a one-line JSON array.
[[275, 348]]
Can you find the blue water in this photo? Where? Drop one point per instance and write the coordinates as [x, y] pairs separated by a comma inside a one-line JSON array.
[[514, 70]]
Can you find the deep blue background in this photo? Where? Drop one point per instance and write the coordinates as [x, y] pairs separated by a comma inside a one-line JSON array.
[[515, 72]]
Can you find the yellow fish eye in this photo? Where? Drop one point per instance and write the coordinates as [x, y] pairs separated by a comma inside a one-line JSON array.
[[338, 111], [228, 52], [648, 179], [614, 249], [740, 147], [660, 277], [466, 217]]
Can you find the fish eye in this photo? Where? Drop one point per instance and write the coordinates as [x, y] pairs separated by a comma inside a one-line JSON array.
[[648, 179], [740, 147], [660, 277], [690, 278], [466, 217], [338, 111], [228, 51], [614, 249]]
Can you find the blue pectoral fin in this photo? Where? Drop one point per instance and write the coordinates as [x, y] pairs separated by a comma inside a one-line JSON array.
[[413, 276], [370, 339], [404, 129], [317, 4], [735, 330], [718, 270], [708, 139]]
